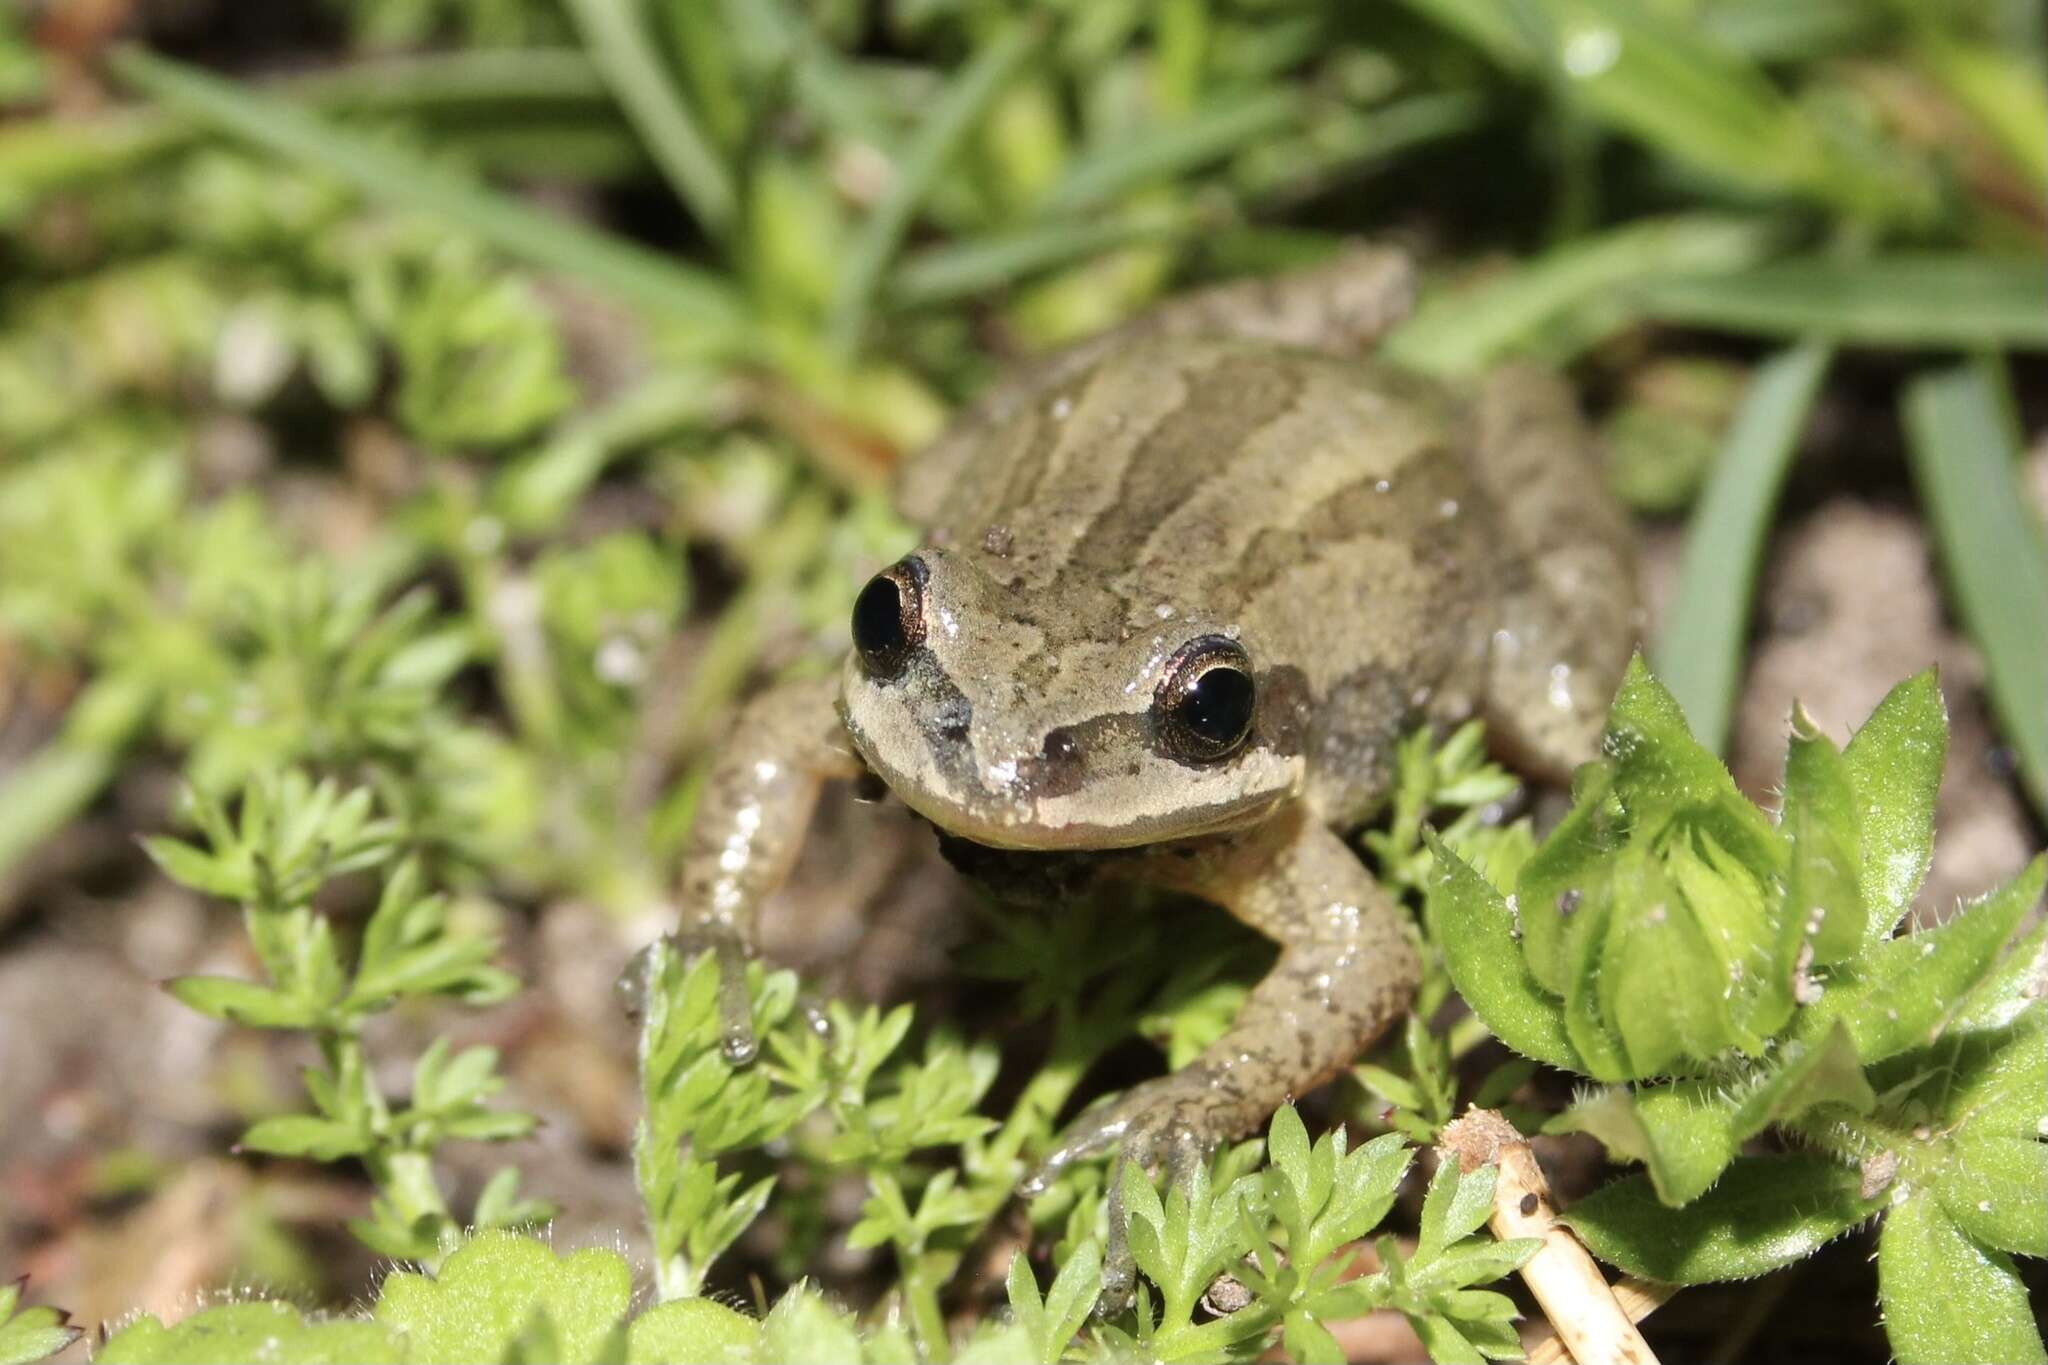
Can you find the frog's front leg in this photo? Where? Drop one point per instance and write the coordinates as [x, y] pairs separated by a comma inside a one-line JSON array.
[[1347, 970], [751, 818]]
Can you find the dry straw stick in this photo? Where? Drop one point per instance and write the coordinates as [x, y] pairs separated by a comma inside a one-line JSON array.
[[1584, 1310]]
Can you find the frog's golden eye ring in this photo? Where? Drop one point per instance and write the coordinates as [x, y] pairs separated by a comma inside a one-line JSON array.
[[1207, 704], [888, 617]]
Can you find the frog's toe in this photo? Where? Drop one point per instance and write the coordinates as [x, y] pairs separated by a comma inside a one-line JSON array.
[[1174, 1122], [735, 1009], [1175, 1119]]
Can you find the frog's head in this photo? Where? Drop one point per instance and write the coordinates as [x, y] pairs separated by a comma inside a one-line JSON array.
[[1024, 719]]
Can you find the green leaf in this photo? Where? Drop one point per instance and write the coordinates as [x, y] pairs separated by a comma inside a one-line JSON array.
[[1802, 1076], [1763, 1213], [2016, 985], [1907, 301], [1476, 930], [257, 1333], [1663, 82], [193, 867], [1895, 764], [1995, 1186], [1309, 1342], [1964, 445], [1682, 1131], [243, 1002], [1661, 772], [1660, 980], [635, 275], [1564, 874], [944, 125], [489, 1289], [1455, 1206], [1823, 907], [692, 1329], [1050, 1326], [303, 1135], [803, 1326], [620, 47], [1901, 994], [1945, 1297], [29, 1334], [1586, 936], [1461, 332], [1702, 641], [1141, 156]]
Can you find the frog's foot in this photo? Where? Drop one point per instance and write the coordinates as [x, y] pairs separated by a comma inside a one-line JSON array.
[[1175, 1121], [735, 1009]]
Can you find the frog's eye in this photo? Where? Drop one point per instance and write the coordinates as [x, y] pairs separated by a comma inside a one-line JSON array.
[[888, 617], [1206, 705]]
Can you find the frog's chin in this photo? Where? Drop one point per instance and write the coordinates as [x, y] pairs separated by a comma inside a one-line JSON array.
[[1022, 834], [1042, 826]]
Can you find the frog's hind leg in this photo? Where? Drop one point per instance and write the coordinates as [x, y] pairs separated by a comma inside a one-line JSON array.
[[1568, 614]]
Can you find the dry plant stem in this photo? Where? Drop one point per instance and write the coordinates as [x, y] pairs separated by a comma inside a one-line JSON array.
[[1638, 1299], [1573, 1294]]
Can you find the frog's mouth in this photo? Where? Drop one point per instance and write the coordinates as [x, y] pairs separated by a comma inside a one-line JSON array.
[[1034, 826], [1068, 807]]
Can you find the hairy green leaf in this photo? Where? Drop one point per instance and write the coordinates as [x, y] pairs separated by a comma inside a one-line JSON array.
[[1683, 1131], [1764, 1212], [1477, 929], [1895, 763], [1947, 1298], [1903, 991], [272, 1333]]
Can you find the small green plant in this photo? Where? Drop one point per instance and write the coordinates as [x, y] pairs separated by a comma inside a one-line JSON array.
[[836, 1098], [292, 838], [1725, 976], [28, 1334]]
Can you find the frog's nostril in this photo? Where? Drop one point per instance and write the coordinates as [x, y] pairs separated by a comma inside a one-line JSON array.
[[1057, 769], [1060, 746]]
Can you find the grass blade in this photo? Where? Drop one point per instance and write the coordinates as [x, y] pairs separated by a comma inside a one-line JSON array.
[[1465, 331], [956, 111], [625, 55], [47, 791], [1700, 649], [1103, 173], [1671, 87], [638, 276], [43, 154], [1965, 455], [1907, 300], [960, 269]]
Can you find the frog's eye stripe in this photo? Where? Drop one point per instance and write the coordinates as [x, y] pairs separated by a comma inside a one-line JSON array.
[[888, 617], [1205, 707]]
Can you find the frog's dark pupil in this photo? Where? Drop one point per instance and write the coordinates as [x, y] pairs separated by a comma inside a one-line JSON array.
[[878, 618], [1217, 707]]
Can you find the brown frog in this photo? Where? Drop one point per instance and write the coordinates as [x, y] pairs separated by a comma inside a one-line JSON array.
[[1183, 587]]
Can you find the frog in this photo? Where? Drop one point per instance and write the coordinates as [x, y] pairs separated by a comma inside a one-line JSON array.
[[1182, 589]]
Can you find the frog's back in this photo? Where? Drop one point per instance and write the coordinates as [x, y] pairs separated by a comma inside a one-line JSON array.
[[1320, 505]]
